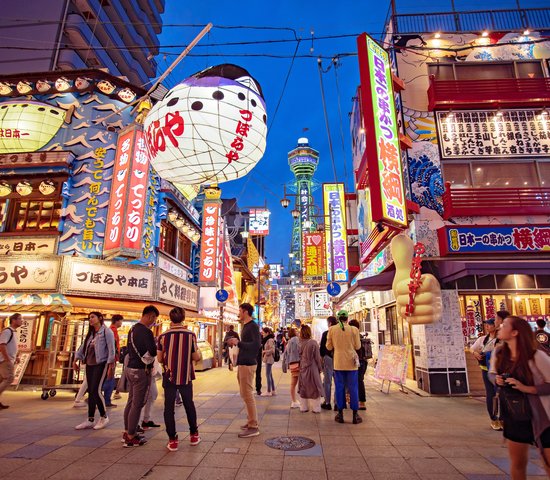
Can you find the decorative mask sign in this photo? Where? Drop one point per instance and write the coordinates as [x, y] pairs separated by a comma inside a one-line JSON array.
[[211, 128], [417, 295], [125, 221]]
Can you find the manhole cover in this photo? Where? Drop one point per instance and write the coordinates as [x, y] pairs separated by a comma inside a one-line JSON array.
[[290, 443]]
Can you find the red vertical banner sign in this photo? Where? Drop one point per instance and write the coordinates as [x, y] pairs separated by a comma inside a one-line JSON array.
[[209, 247], [137, 194], [124, 225]]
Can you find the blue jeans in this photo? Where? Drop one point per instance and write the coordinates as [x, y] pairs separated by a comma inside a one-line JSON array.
[[108, 387], [490, 392], [269, 377], [328, 374], [346, 379]]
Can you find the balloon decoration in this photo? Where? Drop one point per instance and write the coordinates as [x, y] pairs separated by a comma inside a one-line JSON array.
[[209, 129], [417, 294]]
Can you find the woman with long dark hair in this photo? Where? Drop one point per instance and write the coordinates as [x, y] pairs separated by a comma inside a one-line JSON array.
[[523, 376], [291, 361], [97, 352]]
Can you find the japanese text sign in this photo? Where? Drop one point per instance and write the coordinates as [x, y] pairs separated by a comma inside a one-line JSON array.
[[383, 156], [320, 304], [27, 245], [336, 241], [178, 292], [259, 221], [99, 278], [302, 303], [481, 133], [29, 275], [314, 257], [209, 244], [125, 221], [493, 239]]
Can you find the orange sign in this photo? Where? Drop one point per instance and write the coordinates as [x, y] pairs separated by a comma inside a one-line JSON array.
[[209, 247], [124, 227], [314, 257]]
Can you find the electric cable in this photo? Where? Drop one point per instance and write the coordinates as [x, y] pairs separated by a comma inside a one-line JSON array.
[[320, 67], [335, 62]]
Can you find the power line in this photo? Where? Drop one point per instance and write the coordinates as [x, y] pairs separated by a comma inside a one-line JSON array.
[[320, 66]]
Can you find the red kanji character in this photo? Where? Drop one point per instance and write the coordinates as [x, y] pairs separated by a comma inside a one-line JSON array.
[[246, 115], [389, 155], [391, 184], [523, 238], [242, 129], [238, 144], [541, 237], [173, 126], [232, 155]]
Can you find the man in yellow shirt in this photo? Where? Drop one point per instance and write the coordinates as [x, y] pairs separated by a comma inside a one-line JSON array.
[[344, 339]]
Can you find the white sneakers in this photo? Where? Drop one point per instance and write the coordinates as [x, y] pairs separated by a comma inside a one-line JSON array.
[[84, 425], [101, 423], [294, 404], [80, 404]]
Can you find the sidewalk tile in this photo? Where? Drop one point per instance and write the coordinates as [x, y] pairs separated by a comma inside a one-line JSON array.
[[432, 465], [262, 462], [81, 470], [345, 464], [159, 472], [304, 463], [32, 451], [388, 465], [380, 451], [417, 451], [124, 472], [211, 473], [8, 465], [303, 475], [182, 459], [250, 474], [36, 470], [69, 452], [140, 456], [222, 460]]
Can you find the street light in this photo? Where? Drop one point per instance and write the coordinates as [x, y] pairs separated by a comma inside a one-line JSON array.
[[285, 202], [295, 213]]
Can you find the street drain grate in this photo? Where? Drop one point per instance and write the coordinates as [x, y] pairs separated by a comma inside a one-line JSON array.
[[291, 444]]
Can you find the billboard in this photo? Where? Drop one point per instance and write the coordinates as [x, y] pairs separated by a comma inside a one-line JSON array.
[[467, 239], [258, 223], [125, 220], [314, 257], [209, 244], [335, 232], [382, 166]]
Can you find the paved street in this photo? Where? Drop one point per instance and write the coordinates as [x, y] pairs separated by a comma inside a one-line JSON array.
[[402, 437]]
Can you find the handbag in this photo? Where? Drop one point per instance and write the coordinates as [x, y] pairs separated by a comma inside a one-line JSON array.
[[514, 405]]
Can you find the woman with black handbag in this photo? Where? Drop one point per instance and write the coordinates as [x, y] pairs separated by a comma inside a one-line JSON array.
[[523, 377]]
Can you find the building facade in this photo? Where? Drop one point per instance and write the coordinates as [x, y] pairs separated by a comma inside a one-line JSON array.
[[472, 91], [120, 35]]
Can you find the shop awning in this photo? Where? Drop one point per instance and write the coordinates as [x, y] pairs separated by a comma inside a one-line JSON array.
[[376, 283], [29, 302], [118, 305], [453, 270]]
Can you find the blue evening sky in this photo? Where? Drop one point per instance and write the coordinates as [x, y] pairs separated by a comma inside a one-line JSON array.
[[301, 104]]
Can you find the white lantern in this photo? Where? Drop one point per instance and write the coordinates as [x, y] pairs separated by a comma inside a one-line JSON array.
[[211, 128]]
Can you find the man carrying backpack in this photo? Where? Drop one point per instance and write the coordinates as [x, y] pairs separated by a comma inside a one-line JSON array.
[[8, 353], [365, 354], [482, 349]]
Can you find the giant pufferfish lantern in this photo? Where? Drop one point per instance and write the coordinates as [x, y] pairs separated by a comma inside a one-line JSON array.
[[211, 128]]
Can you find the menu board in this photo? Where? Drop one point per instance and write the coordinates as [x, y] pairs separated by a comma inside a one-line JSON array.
[[503, 133], [392, 363], [20, 368]]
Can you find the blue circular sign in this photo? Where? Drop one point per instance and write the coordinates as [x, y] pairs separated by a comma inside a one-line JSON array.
[[334, 289], [222, 295]]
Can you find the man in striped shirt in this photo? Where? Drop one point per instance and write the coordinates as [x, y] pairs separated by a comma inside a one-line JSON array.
[[177, 349]]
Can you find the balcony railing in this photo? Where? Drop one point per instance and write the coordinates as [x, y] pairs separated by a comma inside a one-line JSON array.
[[497, 92], [473, 202], [473, 21]]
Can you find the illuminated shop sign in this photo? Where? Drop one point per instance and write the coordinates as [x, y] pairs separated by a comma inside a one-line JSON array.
[[491, 133], [30, 275], [384, 169], [314, 257], [178, 292], [259, 221], [337, 252], [209, 244], [465, 239]]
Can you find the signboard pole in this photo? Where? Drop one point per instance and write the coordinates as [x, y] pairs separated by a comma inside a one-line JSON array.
[[222, 304]]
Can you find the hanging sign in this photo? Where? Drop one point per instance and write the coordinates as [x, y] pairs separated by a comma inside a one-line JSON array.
[[259, 221], [382, 169], [336, 241], [125, 220], [314, 257], [209, 244]]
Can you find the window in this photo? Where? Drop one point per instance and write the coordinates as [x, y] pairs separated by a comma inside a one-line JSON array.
[[504, 174], [486, 70], [34, 215], [175, 243]]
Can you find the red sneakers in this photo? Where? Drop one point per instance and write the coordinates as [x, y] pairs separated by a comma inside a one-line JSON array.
[[136, 441], [194, 439], [172, 444]]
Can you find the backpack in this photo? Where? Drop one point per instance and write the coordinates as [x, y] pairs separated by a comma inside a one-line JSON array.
[[277, 354], [366, 348]]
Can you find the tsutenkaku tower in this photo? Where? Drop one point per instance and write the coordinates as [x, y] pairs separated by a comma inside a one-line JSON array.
[[303, 161]]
